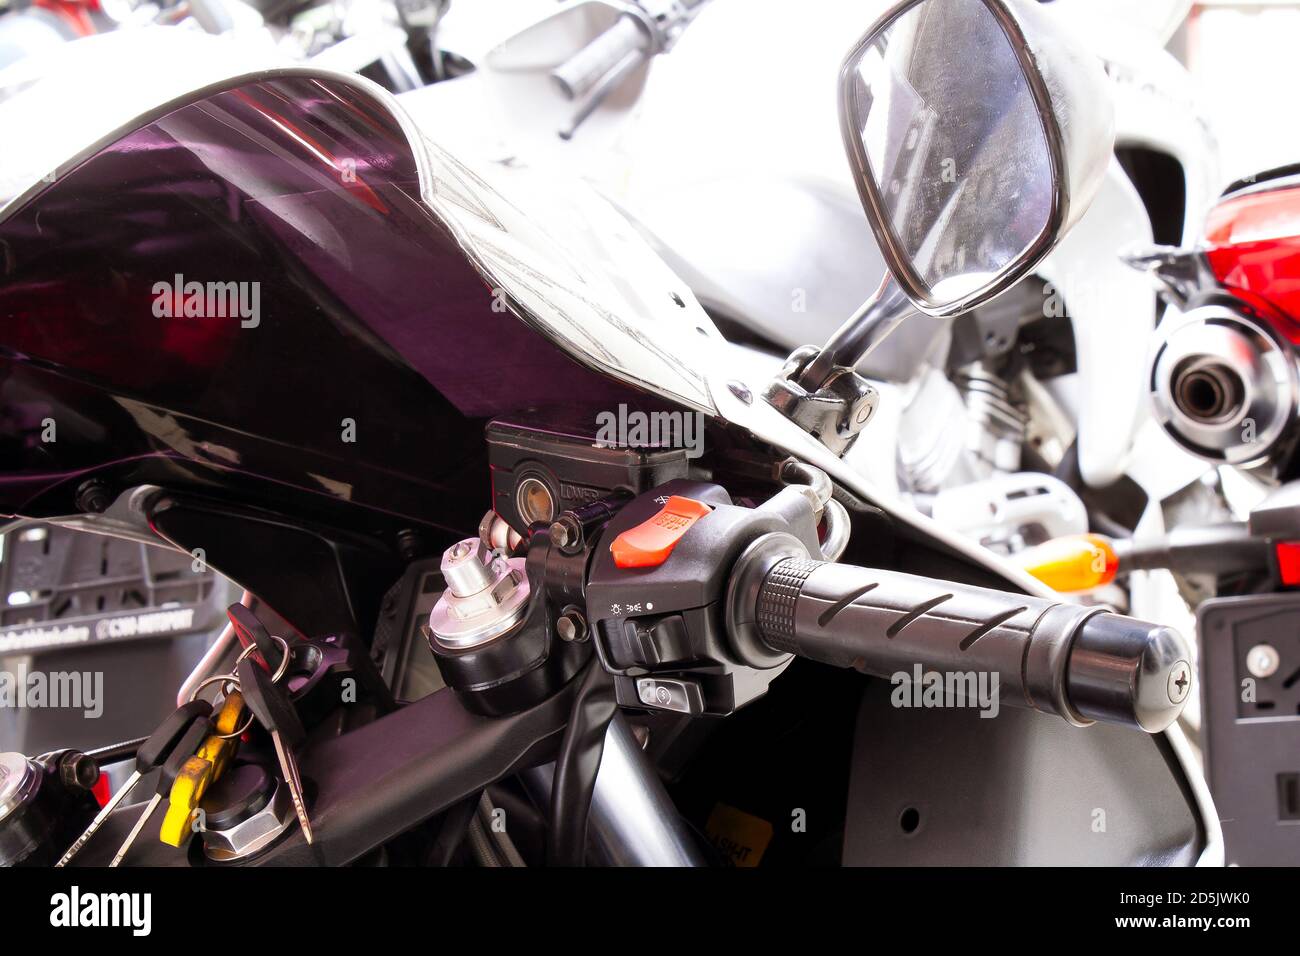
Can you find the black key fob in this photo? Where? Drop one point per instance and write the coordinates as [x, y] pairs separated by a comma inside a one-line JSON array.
[[269, 703], [163, 741]]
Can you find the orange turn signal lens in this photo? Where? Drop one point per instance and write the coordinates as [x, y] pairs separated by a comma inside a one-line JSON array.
[[1077, 562]]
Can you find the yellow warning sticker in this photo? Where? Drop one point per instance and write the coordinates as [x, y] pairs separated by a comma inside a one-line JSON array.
[[740, 837]]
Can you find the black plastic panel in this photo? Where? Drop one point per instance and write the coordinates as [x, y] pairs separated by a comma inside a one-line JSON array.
[[1251, 726]]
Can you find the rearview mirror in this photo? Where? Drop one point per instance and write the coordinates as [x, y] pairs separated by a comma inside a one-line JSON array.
[[978, 133]]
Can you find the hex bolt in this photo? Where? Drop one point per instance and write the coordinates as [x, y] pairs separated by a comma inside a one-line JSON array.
[[571, 627], [566, 533], [78, 771]]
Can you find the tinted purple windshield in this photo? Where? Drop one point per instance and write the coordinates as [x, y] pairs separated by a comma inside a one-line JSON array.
[[233, 283]]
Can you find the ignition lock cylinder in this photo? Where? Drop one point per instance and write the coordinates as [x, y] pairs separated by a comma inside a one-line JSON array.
[[494, 629], [487, 595]]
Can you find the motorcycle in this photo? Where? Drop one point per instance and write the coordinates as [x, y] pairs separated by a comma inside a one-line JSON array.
[[1011, 424], [1009, 450], [393, 43], [304, 342], [1224, 386]]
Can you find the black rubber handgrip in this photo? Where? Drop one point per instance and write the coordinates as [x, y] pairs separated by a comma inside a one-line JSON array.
[[1082, 663]]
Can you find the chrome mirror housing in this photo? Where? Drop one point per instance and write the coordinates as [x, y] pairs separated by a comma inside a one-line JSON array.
[[978, 132]]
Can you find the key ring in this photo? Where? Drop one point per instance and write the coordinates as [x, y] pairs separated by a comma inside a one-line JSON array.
[[284, 658], [275, 678], [225, 679], [228, 679]]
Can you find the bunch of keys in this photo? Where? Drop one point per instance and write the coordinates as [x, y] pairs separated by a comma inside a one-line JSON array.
[[187, 726], [191, 750], [186, 788], [195, 740]]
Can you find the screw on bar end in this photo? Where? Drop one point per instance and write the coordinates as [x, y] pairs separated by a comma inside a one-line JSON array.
[[1122, 670]]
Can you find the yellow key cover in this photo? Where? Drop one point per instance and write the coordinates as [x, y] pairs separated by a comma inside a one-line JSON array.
[[186, 792]]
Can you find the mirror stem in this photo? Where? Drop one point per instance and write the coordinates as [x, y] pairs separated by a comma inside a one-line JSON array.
[[870, 325]]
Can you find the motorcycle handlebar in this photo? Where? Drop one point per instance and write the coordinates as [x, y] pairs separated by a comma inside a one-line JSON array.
[[583, 71], [1082, 663]]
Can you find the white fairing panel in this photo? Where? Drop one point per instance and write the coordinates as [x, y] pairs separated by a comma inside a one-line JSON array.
[[96, 84], [1113, 310], [748, 192], [1155, 21]]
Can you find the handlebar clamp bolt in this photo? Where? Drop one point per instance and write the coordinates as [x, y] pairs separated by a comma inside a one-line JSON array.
[[571, 627]]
